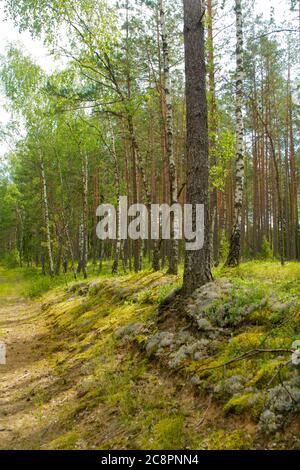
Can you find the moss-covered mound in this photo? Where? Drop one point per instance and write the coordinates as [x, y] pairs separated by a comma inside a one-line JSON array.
[[131, 371]]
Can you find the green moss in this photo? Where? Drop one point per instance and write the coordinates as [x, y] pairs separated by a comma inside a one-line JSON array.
[[268, 371], [124, 401], [236, 440], [167, 434], [67, 441], [246, 341], [251, 404], [260, 317]]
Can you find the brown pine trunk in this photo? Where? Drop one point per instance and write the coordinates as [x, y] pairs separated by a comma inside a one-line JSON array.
[[197, 263]]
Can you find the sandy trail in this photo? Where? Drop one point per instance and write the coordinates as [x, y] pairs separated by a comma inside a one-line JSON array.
[[23, 378]]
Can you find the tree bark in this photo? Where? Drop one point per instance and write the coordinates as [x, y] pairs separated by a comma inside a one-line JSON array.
[[46, 214], [197, 271], [235, 242], [118, 249], [173, 255]]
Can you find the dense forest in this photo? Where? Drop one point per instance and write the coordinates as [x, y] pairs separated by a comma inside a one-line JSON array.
[[168, 103], [111, 122]]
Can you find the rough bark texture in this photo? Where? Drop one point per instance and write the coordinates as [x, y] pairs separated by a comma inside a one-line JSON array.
[[294, 175], [197, 263], [235, 242]]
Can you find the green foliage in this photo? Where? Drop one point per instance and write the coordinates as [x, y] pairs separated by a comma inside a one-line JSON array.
[[266, 252], [38, 284], [11, 259], [224, 246], [166, 289], [225, 151]]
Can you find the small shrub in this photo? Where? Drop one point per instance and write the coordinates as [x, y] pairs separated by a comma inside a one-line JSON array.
[[224, 246], [169, 433], [39, 286], [11, 260], [266, 252]]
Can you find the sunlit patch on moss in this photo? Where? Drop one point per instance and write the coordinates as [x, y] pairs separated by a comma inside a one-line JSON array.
[[236, 440]]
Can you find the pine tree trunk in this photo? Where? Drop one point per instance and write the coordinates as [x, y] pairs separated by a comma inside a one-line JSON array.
[[197, 270], [235, 242], [213, 130], [294, 176]]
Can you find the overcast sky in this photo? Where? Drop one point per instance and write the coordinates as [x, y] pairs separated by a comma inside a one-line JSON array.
[[9, 33]]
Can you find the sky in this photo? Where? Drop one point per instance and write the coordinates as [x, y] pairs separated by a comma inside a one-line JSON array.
[[9, 33]]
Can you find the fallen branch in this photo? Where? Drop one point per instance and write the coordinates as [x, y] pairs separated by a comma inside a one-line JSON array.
[[253, 352]]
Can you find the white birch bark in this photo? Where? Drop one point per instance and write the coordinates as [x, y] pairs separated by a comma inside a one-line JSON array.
[[46, 214], [235, 243], [85, 215], [117, 256]]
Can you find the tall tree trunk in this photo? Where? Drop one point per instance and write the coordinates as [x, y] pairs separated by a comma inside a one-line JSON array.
[[197, 270], [235, 242], [64, 221], [86, 216], [135, 197], [46, 214], [294, 175], [117, 256], [173, 255], [84, 220], [213, 130]]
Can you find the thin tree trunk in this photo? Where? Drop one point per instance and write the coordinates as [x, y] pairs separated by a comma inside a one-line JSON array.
[[173, 255], [115, 265], [85, 215], [46, 215], [65, 223], [235, 242]]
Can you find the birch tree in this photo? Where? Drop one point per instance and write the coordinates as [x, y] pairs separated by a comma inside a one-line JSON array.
[[46, 213], [235, 241]]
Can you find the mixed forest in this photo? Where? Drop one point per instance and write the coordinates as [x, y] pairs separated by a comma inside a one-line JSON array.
[[165, 102], [111, 121]]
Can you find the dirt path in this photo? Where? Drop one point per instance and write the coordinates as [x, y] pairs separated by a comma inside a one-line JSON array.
[[26, 372]]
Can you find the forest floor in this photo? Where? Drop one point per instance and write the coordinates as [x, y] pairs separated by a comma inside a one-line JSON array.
[[23, 331], [105, 364]]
